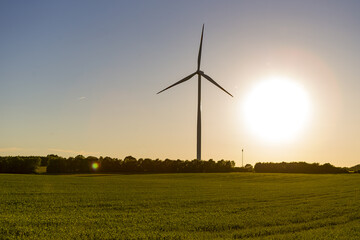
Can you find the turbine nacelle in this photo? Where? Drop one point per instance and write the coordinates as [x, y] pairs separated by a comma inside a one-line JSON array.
[[200, 73]]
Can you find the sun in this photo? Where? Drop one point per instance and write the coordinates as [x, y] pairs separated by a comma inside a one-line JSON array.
[[277, 109]]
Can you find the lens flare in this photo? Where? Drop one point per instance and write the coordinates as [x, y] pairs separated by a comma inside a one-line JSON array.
[[95, 166]]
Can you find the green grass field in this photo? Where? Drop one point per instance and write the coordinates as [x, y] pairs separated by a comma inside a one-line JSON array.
[[180, 206]]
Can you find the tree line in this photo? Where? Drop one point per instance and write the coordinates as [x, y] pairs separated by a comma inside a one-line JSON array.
[[19, 164], [129, 164], [297, 167], [81, 164]]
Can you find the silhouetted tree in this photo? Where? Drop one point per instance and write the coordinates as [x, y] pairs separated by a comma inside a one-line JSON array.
[[249, 167], [19, 164], [297, 167]]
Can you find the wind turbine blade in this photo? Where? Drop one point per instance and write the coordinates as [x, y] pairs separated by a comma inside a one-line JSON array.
[[215, 83], [181, 81], [200, 48]]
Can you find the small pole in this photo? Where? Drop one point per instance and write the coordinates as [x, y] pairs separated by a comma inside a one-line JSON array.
[[242, 157]]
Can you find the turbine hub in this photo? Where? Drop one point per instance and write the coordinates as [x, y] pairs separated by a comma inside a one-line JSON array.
[[200, 72]]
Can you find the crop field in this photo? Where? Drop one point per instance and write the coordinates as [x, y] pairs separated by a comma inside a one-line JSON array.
[[180, 206]]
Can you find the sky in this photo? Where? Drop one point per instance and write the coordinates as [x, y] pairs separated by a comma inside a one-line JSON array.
[[81, 77]]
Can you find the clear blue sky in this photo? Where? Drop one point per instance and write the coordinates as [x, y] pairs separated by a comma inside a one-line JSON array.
[[80, 77]]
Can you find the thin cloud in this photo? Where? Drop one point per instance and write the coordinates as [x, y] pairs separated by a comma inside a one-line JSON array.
[[81, 98], [11, 149], [81, 152]]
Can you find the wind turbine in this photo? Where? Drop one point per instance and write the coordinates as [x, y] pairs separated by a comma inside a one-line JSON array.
[[199, 73]]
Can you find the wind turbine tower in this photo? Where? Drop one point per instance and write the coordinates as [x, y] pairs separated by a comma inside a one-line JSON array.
[[200, 74]]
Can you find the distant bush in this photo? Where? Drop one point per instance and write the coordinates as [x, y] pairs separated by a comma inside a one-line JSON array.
[[56, 165], [247, 168], [355, 169], [19, 164], [297, 167]]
